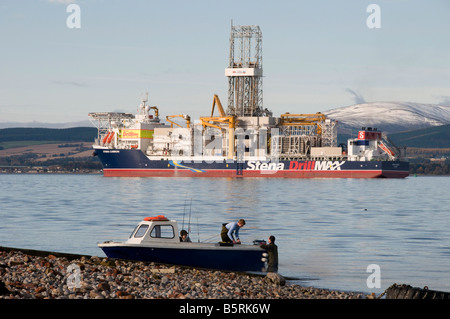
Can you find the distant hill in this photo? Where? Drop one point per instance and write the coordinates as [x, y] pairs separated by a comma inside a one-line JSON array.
[[45, 135], [390, 117], [432, 137]]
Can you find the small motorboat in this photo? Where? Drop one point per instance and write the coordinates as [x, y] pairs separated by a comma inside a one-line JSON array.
[[156, 239]]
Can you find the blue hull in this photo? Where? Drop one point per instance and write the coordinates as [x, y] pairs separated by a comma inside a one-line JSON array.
[[133, 163], [227, 259]]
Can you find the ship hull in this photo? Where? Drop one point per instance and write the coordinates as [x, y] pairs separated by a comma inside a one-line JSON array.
[[133, 163]]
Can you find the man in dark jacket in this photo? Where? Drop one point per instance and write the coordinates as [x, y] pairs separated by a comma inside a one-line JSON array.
[[272, 250]]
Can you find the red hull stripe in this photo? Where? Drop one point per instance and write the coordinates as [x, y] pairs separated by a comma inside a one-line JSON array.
[[254, 173]]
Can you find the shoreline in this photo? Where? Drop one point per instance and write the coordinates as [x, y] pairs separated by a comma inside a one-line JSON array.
[[34, 274]]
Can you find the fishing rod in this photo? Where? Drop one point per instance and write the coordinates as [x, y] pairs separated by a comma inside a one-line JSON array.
[[198, 231], [190, 211], [184, 212], [189, 221]]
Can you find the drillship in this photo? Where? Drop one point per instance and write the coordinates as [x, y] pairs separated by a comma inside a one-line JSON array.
[[246, 140]]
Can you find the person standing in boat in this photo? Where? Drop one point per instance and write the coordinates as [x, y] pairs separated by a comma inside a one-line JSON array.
[[230, 231], [272, 251]]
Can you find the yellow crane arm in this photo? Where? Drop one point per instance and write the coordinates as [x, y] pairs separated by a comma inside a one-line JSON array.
[[186, 117], [216, 100], [156, 110]]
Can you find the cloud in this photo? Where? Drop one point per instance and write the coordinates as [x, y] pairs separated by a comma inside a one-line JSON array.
[[359, 99], [72, 83], [445, 100]]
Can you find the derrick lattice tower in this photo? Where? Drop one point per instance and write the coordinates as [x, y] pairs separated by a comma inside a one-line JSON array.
[[245, 72]]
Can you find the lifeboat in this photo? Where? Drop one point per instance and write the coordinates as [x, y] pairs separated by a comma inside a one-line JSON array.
[[110, 138], [159, 217], [106, 138]]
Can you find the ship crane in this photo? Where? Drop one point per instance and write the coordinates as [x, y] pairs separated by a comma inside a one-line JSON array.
[[216, 100], [223, 118], [288, 119], [156, 111], [185, 117], [144, 109]]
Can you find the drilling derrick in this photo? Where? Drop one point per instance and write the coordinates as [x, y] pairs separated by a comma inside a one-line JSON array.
[[244, 72]]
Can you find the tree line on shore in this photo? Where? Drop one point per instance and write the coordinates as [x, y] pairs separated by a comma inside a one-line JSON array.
[[32, 162], [428, 167]]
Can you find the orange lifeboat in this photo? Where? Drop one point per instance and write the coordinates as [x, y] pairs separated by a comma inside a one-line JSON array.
[[106, 138], [159, 217], [110, 137]]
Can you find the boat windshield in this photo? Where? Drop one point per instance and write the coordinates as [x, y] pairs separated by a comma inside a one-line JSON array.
[[141, 231], [132, 233]]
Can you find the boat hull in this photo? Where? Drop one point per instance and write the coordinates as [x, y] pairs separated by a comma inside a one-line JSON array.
[[133, 163], [230, 258]]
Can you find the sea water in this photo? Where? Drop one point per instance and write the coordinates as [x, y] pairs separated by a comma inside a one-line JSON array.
[[347, 234]]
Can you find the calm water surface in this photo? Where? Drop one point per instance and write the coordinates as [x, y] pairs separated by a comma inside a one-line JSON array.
[[328, 230]]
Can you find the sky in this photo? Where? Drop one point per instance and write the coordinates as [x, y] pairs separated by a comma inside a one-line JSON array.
[[317, 55]]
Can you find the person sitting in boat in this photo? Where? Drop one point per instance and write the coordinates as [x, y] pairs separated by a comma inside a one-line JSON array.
[[184, 236], [272, 251], [230, 232]]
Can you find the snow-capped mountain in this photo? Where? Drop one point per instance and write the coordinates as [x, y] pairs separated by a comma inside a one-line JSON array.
[[391, 116]]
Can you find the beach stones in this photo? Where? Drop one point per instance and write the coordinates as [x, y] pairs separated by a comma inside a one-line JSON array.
[[35, 277]]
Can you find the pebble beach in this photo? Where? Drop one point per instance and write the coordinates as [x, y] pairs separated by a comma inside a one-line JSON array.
[[46, 276]]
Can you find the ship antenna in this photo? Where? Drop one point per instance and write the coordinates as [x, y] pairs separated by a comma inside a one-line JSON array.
[[145, 97]]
